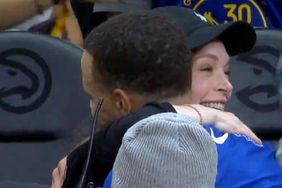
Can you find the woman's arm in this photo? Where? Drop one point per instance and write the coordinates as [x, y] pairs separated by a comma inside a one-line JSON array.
[[224, 121]]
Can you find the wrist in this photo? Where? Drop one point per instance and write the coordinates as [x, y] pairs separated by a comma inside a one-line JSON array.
[[190, 110], [197, 111]]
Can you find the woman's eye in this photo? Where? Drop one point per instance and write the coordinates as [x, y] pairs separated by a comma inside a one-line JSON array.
[[206, 69], [227, 73]]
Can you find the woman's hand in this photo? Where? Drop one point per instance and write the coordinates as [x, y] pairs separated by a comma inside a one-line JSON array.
[[224, 121]]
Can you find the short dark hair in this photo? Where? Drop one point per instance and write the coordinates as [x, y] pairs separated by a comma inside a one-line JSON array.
[[142, 51]]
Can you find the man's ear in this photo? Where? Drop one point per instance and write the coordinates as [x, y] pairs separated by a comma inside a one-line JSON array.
[[122, 101]]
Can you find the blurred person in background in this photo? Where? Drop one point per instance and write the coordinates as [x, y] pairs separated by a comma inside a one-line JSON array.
[[52, 17]]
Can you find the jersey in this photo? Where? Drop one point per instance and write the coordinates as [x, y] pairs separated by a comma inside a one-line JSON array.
[[241, 162], [259, 13], [244, 164]]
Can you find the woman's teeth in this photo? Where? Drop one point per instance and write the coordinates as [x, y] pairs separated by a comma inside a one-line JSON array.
[[218, 106]]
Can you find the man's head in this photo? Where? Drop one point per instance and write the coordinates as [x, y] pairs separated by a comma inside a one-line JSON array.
[[134, 58], [212, 46]]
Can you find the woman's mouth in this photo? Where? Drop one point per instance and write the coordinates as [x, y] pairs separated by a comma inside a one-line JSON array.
[[215, 105]]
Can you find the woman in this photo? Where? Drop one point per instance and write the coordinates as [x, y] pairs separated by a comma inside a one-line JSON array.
[[241, 162]]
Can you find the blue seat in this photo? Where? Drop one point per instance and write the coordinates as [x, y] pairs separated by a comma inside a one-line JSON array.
[[42, 103]]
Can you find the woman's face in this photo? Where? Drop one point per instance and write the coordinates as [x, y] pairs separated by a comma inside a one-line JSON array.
[[210, 76]]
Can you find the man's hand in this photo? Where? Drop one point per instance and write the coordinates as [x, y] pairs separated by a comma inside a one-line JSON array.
[[59, 173]]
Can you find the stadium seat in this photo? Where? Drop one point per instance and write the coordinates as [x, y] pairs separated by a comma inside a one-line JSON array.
[[42, 104], [256, 98]]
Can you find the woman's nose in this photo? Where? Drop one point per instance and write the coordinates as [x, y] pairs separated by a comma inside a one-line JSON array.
[[225, 85]]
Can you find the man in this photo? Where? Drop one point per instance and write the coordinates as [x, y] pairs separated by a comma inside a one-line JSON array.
[[136, 50], [131, 87]]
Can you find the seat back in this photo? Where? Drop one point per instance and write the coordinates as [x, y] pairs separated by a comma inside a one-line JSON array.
[[256, 99], [41, 103]]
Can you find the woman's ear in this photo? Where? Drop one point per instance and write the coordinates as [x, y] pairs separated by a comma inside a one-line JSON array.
[[122, 101]]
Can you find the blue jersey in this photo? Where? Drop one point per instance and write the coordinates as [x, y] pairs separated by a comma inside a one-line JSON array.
[[259, 13], [243, 164]]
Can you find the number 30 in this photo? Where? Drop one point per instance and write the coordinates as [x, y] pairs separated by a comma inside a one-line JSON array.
[[236, 12]]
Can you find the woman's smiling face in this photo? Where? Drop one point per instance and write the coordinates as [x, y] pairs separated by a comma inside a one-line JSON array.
[[210, 76]]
